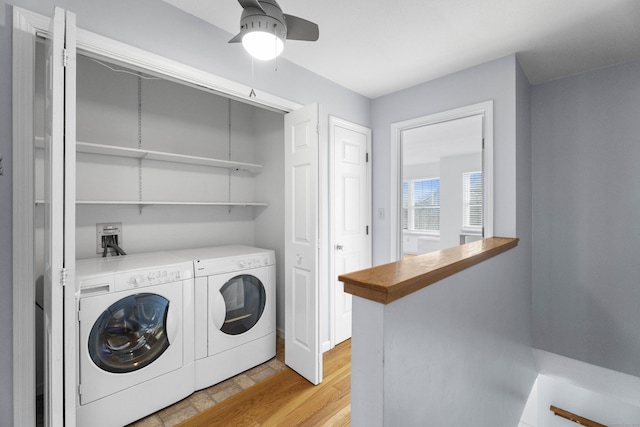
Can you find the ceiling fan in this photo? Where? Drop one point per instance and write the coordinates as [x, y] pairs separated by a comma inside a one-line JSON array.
[[264, 28]]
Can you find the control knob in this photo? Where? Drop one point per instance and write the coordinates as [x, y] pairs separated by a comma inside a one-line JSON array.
[[136, 280]]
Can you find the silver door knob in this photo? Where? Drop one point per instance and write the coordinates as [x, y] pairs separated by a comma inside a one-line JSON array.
[[339, 247]]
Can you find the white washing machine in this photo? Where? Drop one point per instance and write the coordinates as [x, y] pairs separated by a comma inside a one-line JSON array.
[[235, 319], [135, 336]]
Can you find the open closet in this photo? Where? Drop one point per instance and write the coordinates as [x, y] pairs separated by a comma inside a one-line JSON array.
[[169, 164], [171, 157]]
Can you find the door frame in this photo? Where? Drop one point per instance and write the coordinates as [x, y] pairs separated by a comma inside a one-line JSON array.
[[27, 26], [333, 122], [483, 108]]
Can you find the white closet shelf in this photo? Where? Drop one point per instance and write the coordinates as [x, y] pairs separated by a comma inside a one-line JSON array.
[[110, 150], [160, 203], [154, 203]]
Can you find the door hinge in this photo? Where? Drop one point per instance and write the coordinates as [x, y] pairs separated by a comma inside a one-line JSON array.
[[367, 230], [483, 143], [367, 158], [65, 57], [63, 277], [79, 391]]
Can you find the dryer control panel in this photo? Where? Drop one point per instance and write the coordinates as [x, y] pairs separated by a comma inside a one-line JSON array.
[[208, 267]]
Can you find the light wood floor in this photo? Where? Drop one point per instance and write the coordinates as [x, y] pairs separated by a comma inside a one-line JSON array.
[[287, 399]]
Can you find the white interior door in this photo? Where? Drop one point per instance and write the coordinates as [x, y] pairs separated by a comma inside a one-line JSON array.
[[59, 348], [54, 230], [302, 347], [351, 214]]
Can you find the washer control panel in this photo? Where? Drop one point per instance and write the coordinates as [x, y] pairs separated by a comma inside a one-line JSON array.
[[150, 277]]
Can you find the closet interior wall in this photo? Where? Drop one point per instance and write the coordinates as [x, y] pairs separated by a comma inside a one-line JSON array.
[[125, 108]]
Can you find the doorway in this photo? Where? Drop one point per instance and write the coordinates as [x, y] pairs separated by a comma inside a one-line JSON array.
[[350, 216], [442, 180]]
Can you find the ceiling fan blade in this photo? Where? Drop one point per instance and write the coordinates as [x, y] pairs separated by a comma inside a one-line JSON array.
[[237, 38], [251, 3], [301, 29]]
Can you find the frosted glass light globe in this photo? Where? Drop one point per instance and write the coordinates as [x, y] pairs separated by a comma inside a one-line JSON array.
[[262, 45]]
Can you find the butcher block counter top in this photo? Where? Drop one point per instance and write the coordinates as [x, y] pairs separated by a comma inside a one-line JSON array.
[[389, 282]]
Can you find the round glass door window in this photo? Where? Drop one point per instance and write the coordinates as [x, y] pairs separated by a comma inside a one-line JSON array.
[[130, 334], [245, 299]]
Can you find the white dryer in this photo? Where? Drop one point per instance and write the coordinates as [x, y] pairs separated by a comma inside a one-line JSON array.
[[135, 336], [235, 319]]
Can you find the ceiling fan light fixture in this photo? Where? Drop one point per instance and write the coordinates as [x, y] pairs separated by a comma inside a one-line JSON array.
[[263, 45], [264, 29]]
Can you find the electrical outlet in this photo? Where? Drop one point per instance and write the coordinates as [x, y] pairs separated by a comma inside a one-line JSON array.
[[108, 229]]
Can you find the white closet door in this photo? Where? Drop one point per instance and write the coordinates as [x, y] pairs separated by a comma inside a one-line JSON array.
[[302, 347], [72, 288], [60, 222]]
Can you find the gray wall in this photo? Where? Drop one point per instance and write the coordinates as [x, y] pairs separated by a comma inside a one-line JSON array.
[[494, 80], [160, 28], [586, 200], [176, 119], [464, 342]]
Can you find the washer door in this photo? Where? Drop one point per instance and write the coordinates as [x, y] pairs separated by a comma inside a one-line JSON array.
[[244, 300], [130, 334], [127, 338]]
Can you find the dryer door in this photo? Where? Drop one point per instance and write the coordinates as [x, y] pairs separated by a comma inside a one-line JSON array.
[[241, 306], [242, 299]]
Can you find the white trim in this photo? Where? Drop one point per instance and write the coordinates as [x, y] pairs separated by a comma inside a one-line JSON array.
[[483, 108], [173, 70], [24, 391], [333, 122]]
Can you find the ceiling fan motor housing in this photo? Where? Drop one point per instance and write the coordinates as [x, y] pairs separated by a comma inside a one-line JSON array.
[[271, 20]]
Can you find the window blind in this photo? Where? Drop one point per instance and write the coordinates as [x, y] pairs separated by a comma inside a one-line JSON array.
[[472, 200], [421, 205]]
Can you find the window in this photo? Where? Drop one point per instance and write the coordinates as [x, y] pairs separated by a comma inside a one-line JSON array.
[[472, 200], [421, 205]]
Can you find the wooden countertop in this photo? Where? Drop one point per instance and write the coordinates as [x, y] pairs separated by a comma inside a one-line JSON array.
[[389, 282]]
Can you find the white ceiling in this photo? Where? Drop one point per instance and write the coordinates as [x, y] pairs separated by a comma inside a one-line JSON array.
[[376, 47], [429, 144]]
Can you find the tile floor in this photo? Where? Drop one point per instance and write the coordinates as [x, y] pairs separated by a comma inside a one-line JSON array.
[[204, 399]]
